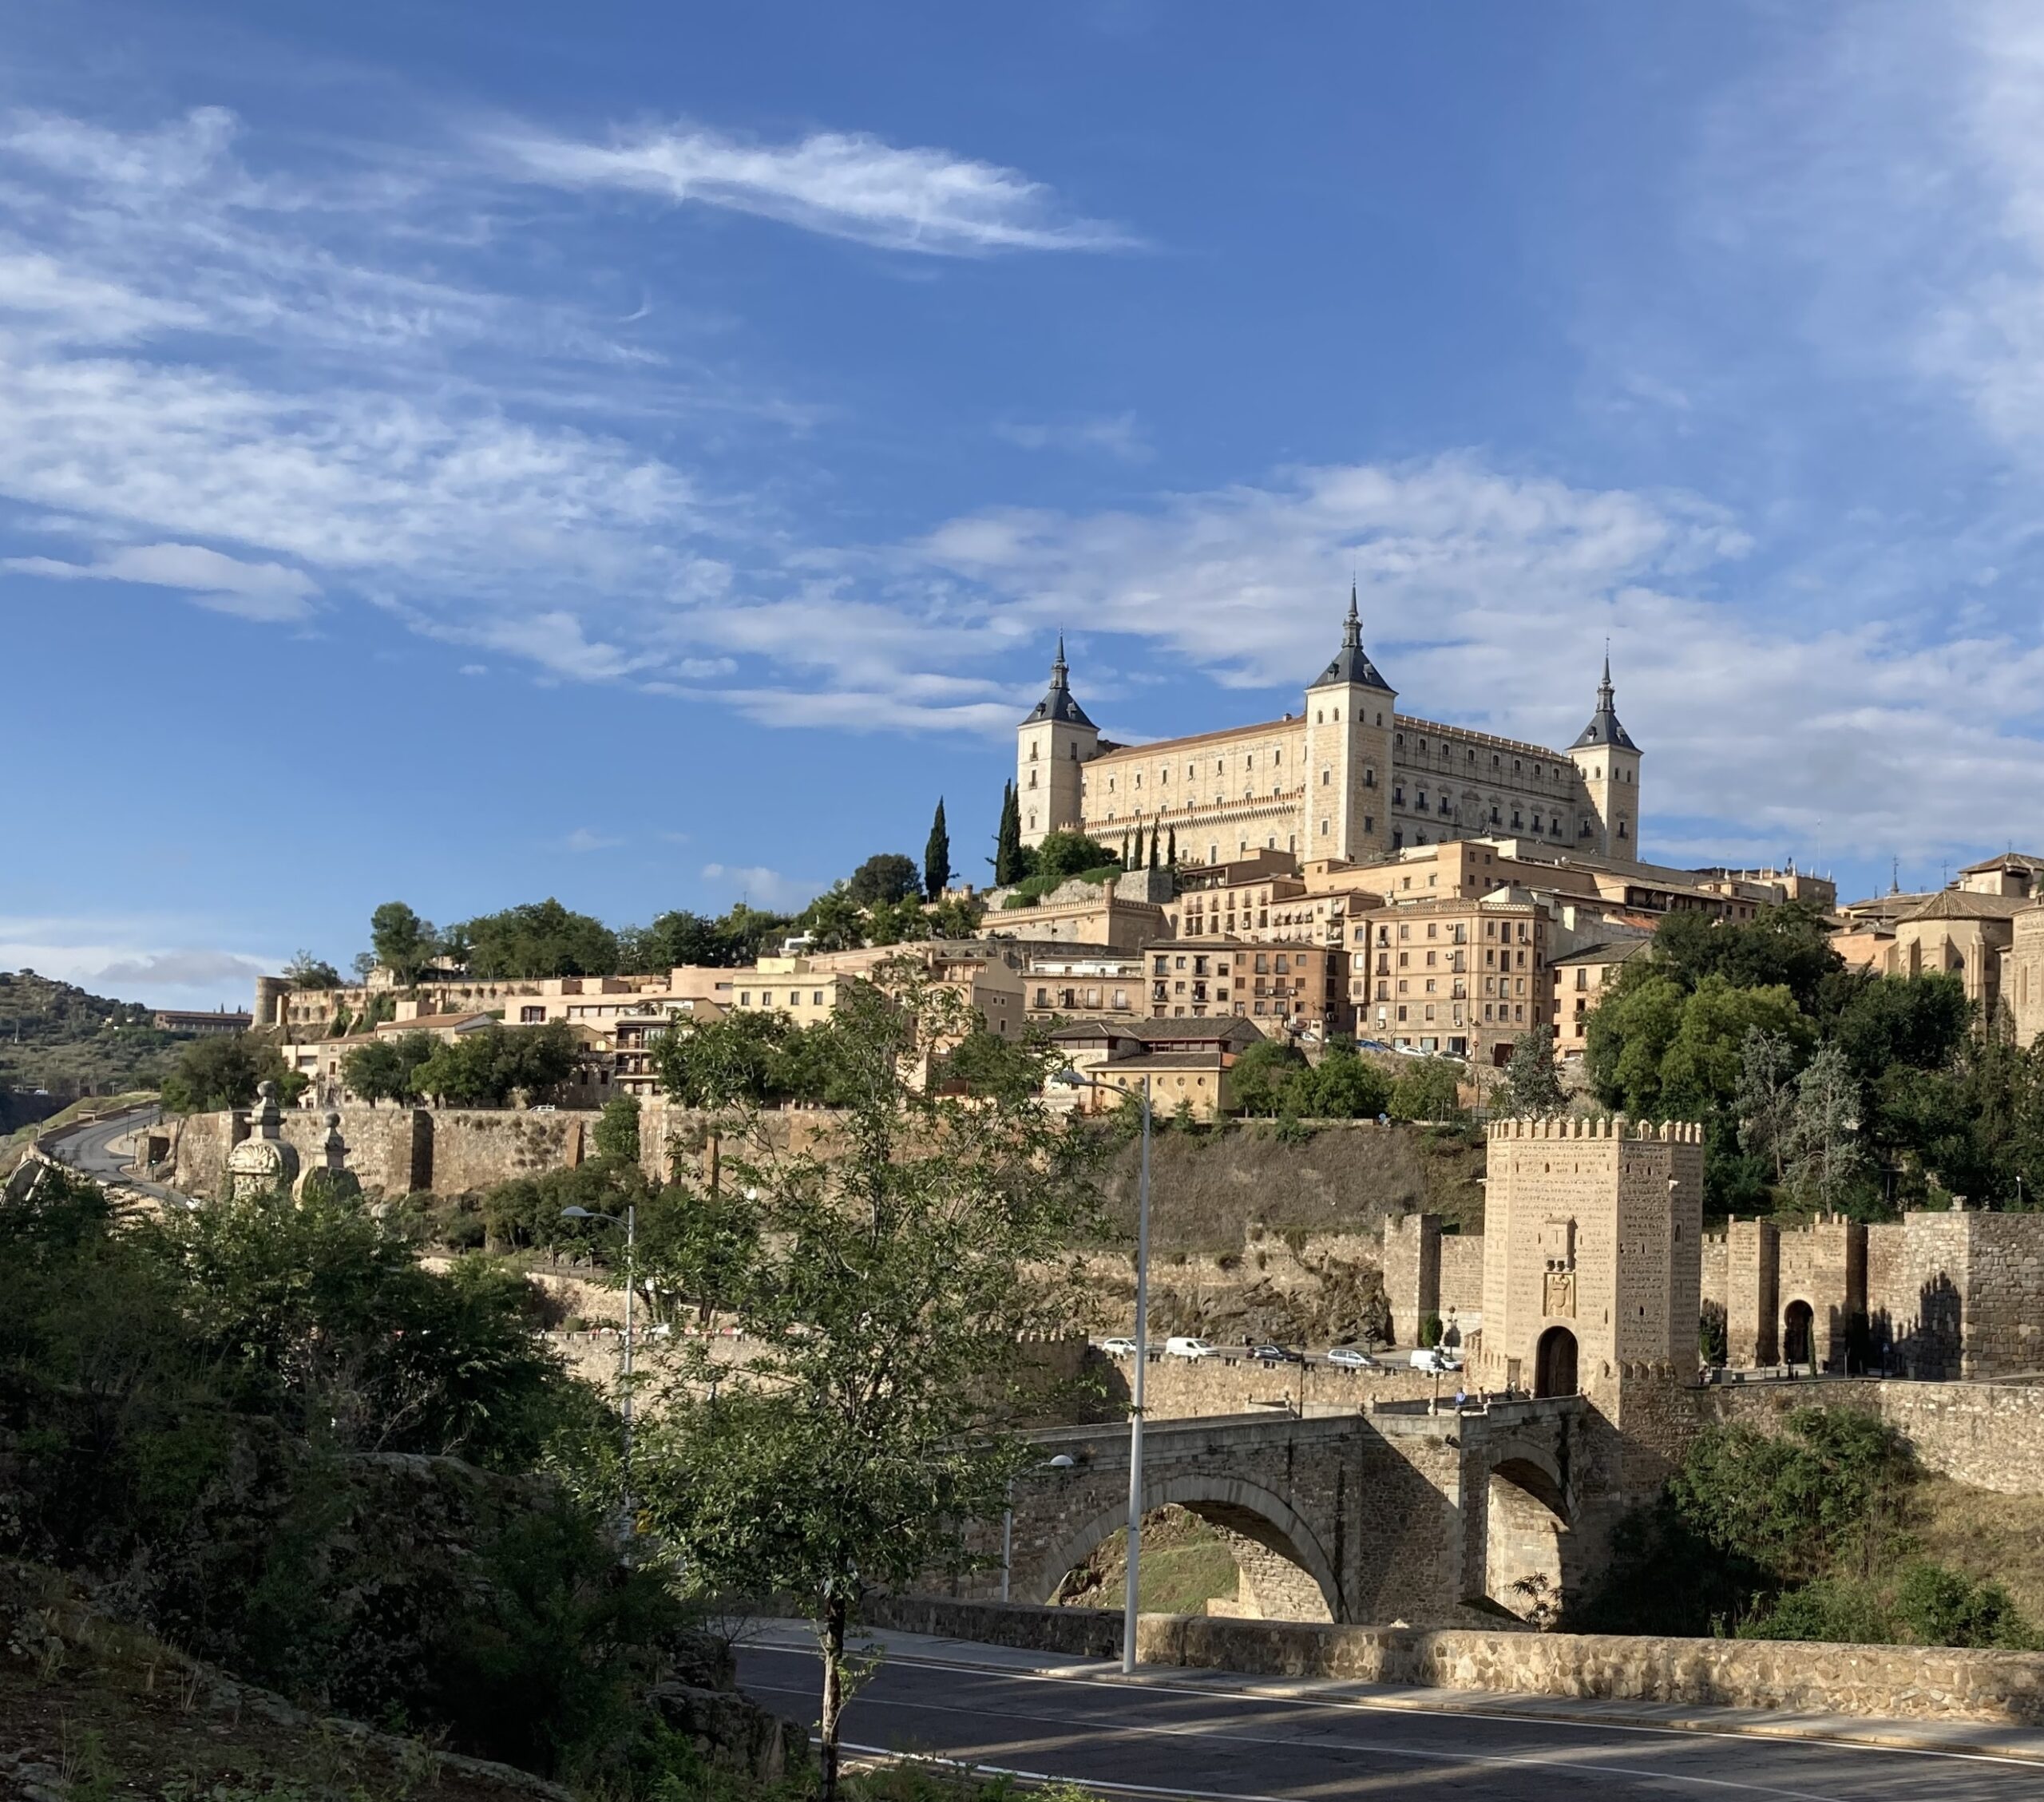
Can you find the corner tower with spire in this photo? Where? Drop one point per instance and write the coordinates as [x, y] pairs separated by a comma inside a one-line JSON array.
[[1608, 762], [1350, 718], [1054, 742]]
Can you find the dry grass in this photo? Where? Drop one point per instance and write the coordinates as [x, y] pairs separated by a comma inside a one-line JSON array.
[[1984, 1534], [1208, 1185]]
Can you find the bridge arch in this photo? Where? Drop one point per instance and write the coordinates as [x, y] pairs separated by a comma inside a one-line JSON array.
[[1233, 1503], [1531, 1563]]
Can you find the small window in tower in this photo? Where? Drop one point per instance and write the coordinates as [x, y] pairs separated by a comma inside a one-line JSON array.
[[1319, 716], [1032, 754]]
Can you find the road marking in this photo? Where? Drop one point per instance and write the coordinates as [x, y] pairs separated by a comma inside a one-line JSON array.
[[1540, 1761], [1366, 1705]]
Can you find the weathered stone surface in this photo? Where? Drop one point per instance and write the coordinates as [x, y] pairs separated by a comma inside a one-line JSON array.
[[1928, 1683], [729, 1730]]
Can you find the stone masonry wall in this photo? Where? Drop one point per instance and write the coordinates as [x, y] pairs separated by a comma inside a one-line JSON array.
[[1881, 1682], [1989, 1435], [1461, 1274]]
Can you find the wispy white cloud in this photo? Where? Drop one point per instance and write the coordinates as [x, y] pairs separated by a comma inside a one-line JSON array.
[[269, 592], [1119, 435], [846, 184], [757, 885], [586, 838]]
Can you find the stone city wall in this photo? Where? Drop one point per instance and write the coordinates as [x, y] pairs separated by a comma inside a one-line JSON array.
[[1191, 1388], [1921, 1683], [1989, 1435]]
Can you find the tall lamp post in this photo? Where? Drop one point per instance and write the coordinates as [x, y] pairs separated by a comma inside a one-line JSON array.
[[1070, 1079], [630, 1223]]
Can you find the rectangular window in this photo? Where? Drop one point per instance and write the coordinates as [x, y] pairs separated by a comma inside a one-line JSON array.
[[817, 998], [745, 998], [531, 1016]]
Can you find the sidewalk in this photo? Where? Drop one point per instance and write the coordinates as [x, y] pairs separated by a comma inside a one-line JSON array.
[[1981, 1739]]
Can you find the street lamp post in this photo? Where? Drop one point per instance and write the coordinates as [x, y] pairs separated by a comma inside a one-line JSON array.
[[1070, 1079], [630, 1223]]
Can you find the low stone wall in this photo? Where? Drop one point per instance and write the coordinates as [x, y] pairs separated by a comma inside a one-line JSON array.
[[1917, 1683], [1188, 1388], [1989, 1435]]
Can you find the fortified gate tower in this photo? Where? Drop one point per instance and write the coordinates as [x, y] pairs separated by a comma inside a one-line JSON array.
[[1592, 1267]]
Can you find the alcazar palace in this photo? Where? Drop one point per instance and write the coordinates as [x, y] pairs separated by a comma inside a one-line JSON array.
[[1350, 778]]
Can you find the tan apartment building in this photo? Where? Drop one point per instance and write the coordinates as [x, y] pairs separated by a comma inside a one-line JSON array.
[[1089, 982], [1580, 979], [1286, 992], [1185, 1063], [1349, 778], [1460, 977]]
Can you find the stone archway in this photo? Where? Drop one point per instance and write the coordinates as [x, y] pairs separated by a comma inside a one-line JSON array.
[[1529, 1562], [1272, 1528], [1799, 1333], [1554, 1363]]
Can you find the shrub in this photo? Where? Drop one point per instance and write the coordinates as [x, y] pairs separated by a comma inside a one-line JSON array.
[[1430, 1330], [1943, 1607]]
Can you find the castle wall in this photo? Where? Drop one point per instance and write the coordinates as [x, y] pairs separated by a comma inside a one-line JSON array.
[[1461, 1274], [1411, 1261]]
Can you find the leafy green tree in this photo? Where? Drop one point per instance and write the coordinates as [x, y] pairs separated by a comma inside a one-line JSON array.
[[539, 939], [617, 1133], [1341, 1086], [1700, 1069], [1532, 1086], [1065, 854], [307, 972], [985, 1064], [1629, 1034], [888, 1275], [883, 879], [211, 1074], [937, 856], [899, 922], [743, 1059], [483, 1067], [1786, 946], [1263, 1077], [1427, 1088], [384, 1069], [403, 943], [673, 940], [833, 921], [747, 932], [958, 917]]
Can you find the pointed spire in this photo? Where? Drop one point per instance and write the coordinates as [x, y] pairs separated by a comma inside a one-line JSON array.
[[1604, 728], [1352, 664], [1060, 668], [1057, 704]]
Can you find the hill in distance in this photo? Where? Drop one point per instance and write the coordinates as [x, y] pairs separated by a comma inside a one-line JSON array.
[[56, 1037]]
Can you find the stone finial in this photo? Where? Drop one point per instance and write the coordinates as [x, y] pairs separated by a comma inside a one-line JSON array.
[[334, 1146]]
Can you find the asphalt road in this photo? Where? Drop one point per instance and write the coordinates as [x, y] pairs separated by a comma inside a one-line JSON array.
[[1185, 1734], [90, 1149]]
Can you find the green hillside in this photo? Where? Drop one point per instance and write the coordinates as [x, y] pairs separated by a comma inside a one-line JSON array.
[[57, 1037]]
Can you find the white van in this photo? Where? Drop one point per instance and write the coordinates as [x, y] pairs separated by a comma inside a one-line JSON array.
[[1441, 1358], [1188, 1347]]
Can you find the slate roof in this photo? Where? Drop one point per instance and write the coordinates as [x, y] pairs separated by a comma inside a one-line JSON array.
[[1604, 728], [1057, 705], [1352, 663]]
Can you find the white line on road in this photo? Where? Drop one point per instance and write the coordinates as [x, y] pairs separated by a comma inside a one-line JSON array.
[[1545, 1761], [1755, 1734]]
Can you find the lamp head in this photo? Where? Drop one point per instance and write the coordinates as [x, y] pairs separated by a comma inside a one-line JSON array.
[[576, 1214], [1069, 1079]]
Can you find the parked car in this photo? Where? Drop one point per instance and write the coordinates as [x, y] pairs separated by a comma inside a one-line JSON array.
[[1347, 1357], [1277, 1354], [1180, 1345], [1439, 1358], [1118, 1347]]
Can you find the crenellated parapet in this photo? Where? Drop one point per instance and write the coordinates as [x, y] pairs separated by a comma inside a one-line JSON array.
[[1598, 1125]]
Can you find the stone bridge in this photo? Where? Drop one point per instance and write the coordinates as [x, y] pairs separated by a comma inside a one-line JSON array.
[[1398, 1513]]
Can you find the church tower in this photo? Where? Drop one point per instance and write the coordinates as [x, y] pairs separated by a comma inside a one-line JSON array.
[[1607, 762], [1344, 812], [1052, 745]]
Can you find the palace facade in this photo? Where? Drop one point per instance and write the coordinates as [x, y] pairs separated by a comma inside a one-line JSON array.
[[1348, 779]]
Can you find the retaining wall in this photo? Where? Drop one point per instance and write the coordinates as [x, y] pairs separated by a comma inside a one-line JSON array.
[[1919, 1683]]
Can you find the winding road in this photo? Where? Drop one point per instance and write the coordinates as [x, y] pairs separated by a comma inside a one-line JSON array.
[[89, 1149]]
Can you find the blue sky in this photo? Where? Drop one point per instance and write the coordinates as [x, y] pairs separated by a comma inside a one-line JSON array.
[[645, 455]]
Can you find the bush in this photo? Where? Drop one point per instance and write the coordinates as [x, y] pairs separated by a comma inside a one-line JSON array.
[[1430, 1332], [1429, 1089], [1942, 1607], [1839, 1610]]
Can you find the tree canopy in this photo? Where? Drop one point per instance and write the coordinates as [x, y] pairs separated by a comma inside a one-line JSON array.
[[483, 1067], [403, 942], [536, 939], [213, 1073]]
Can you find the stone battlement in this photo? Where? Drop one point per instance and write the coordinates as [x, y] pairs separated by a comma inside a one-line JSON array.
[[1602, 1126]]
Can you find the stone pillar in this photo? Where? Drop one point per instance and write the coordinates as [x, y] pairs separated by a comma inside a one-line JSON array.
[[1752, 1290], [1838, 1275], [1412, 1272]]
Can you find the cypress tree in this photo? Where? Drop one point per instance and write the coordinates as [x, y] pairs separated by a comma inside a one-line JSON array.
[[937, 854], [1135, 861], [1153, 847], [1171, 849], [1007, 842]]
